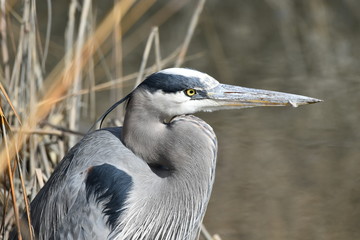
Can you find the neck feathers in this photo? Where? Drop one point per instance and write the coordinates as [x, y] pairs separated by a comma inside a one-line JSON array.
[[182, 155]]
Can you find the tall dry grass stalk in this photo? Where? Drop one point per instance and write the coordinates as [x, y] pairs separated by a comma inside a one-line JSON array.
[[40, 107]]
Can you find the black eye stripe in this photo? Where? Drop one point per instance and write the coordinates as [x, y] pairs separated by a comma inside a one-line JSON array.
[[171, 83]]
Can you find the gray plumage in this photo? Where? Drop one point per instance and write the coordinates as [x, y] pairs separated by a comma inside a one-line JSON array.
[[151, 178]]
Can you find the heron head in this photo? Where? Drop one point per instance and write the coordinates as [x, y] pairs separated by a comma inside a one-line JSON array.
[[177, 91]]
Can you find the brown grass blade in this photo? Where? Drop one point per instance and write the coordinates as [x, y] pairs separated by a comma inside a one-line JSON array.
[[10, 174], [190, 33], [3, 41], [27, 206], [61, 81], [146, 54], [2, 89], [160, 17], [74, 116]]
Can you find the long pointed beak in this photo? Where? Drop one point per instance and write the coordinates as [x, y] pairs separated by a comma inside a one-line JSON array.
[[230, 96]]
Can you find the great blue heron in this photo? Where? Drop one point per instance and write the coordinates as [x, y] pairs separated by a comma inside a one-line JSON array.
[[152, 178]]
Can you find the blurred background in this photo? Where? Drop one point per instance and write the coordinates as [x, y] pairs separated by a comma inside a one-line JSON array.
[[282, 173]]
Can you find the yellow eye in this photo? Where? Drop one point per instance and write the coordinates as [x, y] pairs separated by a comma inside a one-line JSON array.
[[190, 92]]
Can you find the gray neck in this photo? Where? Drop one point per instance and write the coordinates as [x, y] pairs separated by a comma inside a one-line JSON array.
[[182, 154], [185, 145], [144, 132]]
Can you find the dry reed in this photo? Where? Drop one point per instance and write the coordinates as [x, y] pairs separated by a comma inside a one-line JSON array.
[[40, 107]]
